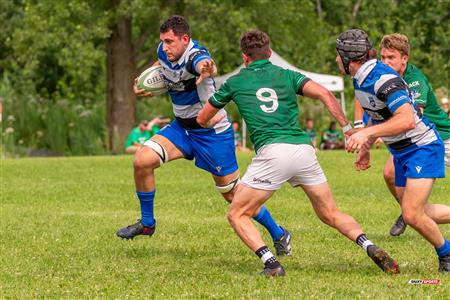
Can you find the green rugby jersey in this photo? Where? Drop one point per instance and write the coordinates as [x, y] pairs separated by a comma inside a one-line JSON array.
[[423, 95], [266, 98]]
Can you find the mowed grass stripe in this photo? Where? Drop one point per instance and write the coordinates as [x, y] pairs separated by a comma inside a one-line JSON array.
[[59, 217]]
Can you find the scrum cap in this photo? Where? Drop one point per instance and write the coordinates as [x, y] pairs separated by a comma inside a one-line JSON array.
[[352, 45]]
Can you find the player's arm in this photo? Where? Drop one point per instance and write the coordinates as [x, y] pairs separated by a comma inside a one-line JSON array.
[[209, 115], [397, 100], [314, 90], [358, 114]]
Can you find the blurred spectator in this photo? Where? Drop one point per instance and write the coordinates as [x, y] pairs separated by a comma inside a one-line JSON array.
[[444, 105], [141, 133], [332, 138], [237, 136], [309, 129]]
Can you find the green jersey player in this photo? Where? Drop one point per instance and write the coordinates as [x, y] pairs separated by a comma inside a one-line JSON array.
[[266, 98], [395, 50]]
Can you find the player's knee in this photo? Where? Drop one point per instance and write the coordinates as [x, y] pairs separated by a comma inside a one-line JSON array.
[[145, 160], [388, 174], [411, 217]]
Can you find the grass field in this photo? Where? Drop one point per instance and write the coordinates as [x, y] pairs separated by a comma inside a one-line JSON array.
[[59, 217]]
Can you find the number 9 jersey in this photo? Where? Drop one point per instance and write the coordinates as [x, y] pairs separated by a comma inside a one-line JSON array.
[[266, 96]]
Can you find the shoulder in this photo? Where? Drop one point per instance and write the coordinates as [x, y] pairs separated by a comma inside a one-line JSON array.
[[414, 77]]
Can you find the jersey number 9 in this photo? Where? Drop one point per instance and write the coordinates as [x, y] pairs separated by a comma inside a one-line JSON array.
[[271, 98]]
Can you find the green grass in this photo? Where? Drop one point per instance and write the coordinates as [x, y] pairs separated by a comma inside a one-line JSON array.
[[59, 217]]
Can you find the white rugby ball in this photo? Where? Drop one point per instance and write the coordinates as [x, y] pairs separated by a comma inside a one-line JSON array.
[[153, 80]]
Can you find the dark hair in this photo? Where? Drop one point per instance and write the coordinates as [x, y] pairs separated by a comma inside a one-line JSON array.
[[255, 44], [178, 24], [309, 119]]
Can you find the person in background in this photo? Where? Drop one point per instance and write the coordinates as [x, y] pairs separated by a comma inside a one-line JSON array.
[[309, 129], [237, 136], [444, 105], [143, 132], [331, 138]]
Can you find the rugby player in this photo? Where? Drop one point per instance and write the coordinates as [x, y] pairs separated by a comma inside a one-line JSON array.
[[395, 50], [188, 68], [266, 96], [416, 147]]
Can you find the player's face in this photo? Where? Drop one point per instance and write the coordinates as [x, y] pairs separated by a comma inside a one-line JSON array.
[[394, 59], [340, 64], [173, 45]]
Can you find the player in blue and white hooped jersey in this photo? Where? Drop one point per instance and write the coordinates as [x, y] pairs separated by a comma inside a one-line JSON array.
[[188, 69], [416, 146]]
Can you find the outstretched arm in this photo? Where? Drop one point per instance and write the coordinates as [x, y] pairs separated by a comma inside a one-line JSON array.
[[206, 68], [316, 91], [208, 116]]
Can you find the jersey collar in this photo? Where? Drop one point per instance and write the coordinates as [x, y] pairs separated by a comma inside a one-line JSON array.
[[258, 64], [364, 71], [183, 57]]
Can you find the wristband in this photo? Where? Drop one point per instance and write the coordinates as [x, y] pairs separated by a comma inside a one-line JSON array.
[[358, 124], [347, 128]]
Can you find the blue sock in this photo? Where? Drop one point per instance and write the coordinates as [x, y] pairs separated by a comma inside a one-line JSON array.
[[265, 219], [146, 200], [444, 250]]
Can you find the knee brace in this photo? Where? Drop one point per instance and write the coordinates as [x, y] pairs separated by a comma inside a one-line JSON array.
[[159, 149], [229, 187]]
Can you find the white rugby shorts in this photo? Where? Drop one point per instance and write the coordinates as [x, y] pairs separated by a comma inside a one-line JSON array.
[[447, 152], [275, 164]]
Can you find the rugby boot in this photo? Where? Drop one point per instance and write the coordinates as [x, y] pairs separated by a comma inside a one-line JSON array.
[[133, 230], [444, 264], [399, 227], [283, 244], [278, 271], [382, 259]]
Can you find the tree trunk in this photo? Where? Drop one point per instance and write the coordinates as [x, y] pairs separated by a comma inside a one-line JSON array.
[[121, 101]]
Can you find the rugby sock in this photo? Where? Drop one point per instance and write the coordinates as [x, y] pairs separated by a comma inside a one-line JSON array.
[[265, 219], [444, 250], [267, 257], [146, 200], [363, 241]]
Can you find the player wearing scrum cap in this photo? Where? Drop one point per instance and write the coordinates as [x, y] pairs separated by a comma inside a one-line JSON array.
[[188, 68], [395, 51], [416, 147]]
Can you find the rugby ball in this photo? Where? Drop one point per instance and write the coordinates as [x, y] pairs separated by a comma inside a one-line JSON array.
[[153, 80]]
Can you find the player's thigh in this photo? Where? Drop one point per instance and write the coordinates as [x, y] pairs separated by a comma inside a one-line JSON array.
[[155, 152], [248, 200], [389, 170], [214, 152], [416, 194]]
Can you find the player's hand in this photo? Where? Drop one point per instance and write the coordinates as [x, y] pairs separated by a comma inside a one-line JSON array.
[[357, 141], [140, 93], [362, 161], [216, 119], [207, 69]]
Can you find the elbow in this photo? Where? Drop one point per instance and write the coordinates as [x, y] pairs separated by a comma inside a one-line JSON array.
[[411, 124]]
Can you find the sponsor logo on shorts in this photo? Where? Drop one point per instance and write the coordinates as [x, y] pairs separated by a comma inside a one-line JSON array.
[[418, 169], [258, 180], [218, 168]]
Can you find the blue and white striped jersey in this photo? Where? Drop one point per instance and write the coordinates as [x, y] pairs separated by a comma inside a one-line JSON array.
[[187, 97], [381, 91]]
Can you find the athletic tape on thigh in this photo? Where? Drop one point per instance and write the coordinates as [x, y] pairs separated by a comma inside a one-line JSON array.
[[229, 187], [162, 153]]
